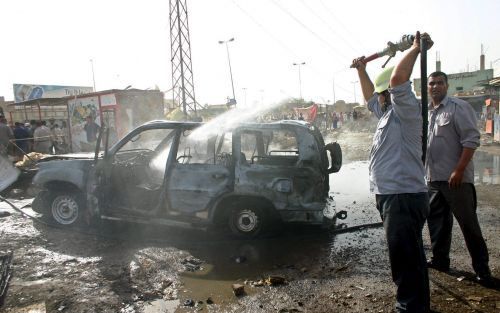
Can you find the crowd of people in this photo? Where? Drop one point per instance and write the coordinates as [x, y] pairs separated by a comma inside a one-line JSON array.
[[33, 136], [339, 118]]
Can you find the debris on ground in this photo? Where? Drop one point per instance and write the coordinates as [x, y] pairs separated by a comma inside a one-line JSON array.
[[240, 259], [238, 289], [189, 302], [275, 280], [192, 264], [209, 300], [342, 267], [5, 274], [30, 159], [474, 298]]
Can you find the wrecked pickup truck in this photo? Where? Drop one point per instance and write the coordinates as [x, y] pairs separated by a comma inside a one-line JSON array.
[[185, 174]]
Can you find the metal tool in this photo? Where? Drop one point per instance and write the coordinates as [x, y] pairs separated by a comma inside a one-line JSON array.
[[404, 43]]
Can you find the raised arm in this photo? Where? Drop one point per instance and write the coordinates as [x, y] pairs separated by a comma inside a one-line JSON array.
[[404, 68], [366, 84]]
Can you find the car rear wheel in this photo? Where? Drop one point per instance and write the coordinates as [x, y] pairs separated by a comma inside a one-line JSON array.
[[247, 222], [66, 208]]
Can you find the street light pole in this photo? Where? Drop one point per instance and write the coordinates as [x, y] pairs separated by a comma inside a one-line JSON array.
[[300, 80], [245, 94], [354, 87], [93, 77], [233, 100]]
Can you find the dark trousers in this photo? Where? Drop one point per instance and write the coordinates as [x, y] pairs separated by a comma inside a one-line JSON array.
[[404, 217], [461, 202]]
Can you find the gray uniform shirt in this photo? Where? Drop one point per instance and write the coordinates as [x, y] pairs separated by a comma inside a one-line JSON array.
[[396, 155], [452, 126], [5, 135]]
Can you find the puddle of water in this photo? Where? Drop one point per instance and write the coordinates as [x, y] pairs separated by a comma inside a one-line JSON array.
[[237, 261], [351, 191], [161, 306], [351, 184], [486, 168], [294, 249]]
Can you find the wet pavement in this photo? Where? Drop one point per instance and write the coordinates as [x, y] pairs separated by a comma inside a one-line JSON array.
[[204, 265], [487, 168]]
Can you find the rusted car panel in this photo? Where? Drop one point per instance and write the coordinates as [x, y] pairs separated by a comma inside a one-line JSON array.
[[245, 177]]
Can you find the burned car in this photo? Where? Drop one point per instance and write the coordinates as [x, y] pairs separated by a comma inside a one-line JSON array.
[[186, 174]]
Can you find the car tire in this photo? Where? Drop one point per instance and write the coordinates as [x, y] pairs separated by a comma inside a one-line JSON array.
[[247, 222], [66, 208]]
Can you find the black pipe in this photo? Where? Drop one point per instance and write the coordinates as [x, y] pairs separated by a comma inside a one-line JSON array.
[[423, 92]]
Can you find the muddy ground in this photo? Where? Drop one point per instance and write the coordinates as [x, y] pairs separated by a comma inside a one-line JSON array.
[[133, 268]]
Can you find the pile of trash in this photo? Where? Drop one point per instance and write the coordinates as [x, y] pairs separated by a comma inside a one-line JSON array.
[[30, 159]]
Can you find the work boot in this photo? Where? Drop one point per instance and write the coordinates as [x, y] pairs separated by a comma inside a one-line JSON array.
[[485, 279], [441, 266]]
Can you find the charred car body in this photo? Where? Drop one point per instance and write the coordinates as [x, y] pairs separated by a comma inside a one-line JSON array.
[[182, 173]]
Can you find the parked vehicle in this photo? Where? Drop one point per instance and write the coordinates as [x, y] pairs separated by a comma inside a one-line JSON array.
[[181, 173]]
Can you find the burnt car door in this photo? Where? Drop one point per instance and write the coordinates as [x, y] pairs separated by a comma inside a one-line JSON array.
[[201, 172], [281, 163], [131, 176]]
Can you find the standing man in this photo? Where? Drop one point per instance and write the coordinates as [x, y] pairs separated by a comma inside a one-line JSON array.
[[22, 136], [92, 129], [5, 136], [453, 138], [43, 138], [397, 175]]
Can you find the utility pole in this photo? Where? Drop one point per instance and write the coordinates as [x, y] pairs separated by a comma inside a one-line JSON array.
[[182, 71], [334, 92], [300, 80], [245, 94], [233, 100], [354, 87], [93, 77]]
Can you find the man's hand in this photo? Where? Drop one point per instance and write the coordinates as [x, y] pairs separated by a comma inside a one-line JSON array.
[[358, 63], [425, 37], [455, 179]]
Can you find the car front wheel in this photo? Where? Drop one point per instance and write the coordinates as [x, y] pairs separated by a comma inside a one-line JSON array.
[[66, 208], [247, 222]]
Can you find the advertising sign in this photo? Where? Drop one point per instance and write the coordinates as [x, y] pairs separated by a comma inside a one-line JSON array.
[[23, 92], [85, 121]]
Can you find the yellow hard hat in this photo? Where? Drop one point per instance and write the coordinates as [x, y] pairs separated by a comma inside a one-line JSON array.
[[383, 79]]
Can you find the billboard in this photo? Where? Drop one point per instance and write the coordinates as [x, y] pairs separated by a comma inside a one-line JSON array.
[[23, 92], [84, 122]]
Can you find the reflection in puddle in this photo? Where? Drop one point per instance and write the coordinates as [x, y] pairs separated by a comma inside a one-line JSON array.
[[351, 191], [161, 306], [486, 168]]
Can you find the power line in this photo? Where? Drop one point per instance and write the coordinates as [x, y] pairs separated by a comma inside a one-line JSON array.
[[308, 29], [341, 24], [283, 45], [328, 25], [289, 50]]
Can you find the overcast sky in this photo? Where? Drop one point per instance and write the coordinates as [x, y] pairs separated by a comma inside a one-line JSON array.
[[51, 42]]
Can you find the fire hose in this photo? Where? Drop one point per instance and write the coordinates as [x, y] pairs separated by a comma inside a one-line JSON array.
[[392, 48]]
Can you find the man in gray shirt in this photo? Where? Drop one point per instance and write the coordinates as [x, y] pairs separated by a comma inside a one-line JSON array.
[[6, 135], [397, 175], [453, 138]]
